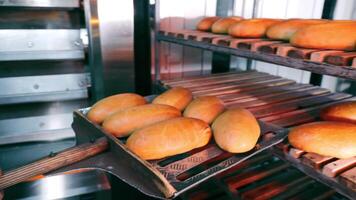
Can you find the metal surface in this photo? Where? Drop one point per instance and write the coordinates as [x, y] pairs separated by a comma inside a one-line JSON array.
[[44, 88], [61, 186], [111, 59], [142, 47], [35, 129], [331, 182], [41, 3], [320, 68], [125, 164], [26, 44]]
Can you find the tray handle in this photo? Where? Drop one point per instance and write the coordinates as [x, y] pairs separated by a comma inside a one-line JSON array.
[[53, 162]]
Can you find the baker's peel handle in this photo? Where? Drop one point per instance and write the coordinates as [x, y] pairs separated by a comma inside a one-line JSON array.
[[53, 162]]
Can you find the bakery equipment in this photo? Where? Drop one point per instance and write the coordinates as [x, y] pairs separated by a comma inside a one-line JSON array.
[[170, 177]]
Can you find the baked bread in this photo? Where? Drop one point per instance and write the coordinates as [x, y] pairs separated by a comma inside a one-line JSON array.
[[343, 112], [205, 108], [336, 35], [206, 23], [284, 30], [222, 25], [124, 122], [236, 130], [252, 28], [336, 139], [177, 97], [168, 138], [109, 105]]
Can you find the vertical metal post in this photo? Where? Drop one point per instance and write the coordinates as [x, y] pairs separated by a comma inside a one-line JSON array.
[[157, 44], [94, 52], [142, 47], [328, 13], [220, 61]]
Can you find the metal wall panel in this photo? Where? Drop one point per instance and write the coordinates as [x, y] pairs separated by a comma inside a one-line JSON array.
[[41, 3], [44, 88], [39, 128], [111, 56], [41, 44]]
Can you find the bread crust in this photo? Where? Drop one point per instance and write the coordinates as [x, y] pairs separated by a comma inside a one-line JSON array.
[[109, 105], [284, 30], [205, 108], [342, 112], [177, 97], [222, 25], [169, 138], [336, 35], [336, 139], [123, 123], [236, 130], [252, 28], [206, 23]]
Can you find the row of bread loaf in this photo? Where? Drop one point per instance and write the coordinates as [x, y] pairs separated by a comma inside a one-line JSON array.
[[175, 123], [305, 33]]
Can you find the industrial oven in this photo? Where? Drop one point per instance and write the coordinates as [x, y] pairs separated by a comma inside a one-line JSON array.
[[107, 47]]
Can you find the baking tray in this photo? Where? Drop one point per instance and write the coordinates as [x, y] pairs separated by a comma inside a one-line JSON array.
[[169, 177]]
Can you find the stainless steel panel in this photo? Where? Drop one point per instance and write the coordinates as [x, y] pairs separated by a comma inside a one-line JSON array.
[[64, 186], [111, 59], [39, 128], [41, 3], [44, 88], [25, 44], [116, 34]]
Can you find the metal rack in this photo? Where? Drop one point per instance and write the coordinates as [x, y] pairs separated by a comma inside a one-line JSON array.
[[282, 103], [319, 68], [42, 65], [276, 101]]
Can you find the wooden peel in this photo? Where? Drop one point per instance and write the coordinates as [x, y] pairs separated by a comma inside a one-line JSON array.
[[1, 191], [53, 162]]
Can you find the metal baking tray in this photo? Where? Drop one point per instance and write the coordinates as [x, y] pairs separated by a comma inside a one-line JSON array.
[[169, 177]]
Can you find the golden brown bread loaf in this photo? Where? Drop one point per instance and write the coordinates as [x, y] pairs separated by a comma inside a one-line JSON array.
[[177, 97], [222, 25], [206, 23], [169, 138], [343, 112], [205, 108], [336, 139], [109, 105], [236, 130], [284, 30], [339, 35], [252, 28], [123, 123]]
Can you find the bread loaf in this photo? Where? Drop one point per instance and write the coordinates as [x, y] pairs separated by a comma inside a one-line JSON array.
[[206, 23], [222, 25], [236, 130], [109, 105], [205, 108], [336, 139], [177, 97], [339, 35], [343, 112], [123, 123], [284, 30], [252, 28], [169, 138]]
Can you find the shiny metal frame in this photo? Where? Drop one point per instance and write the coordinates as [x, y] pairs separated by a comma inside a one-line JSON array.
[[41, 3], [111, 57]]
